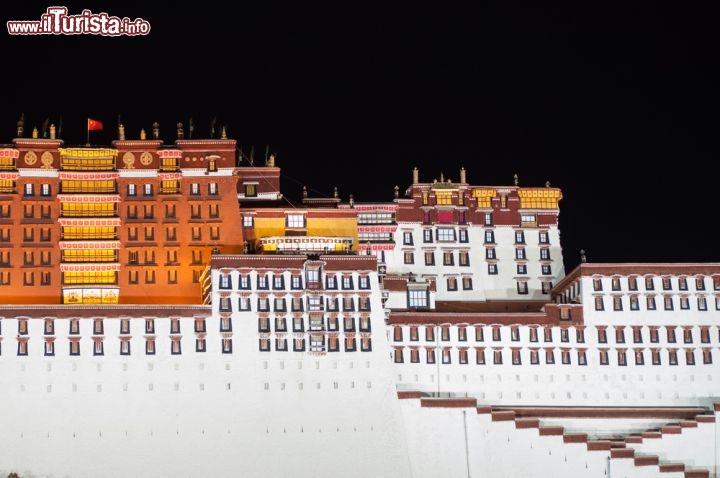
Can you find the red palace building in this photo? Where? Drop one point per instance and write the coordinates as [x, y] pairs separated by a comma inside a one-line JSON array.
[[133, 223]]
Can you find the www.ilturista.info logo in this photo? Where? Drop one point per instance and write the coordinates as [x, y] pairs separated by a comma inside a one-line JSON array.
[[56, 21]]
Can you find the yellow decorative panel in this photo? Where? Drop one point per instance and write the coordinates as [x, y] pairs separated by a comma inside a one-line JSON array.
[[483, 196], [7, 186], [539, 198], [82, 159], [91, 277], [88, 209], [70, 233], [7, 163], [274, 226], [100, 186], [89, 255], [170, 186], [90, 296], [443, 197]]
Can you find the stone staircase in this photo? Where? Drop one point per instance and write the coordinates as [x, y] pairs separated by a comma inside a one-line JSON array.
[[635, 454]]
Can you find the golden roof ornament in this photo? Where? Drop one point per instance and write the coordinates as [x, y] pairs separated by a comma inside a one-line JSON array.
[[143, 135], [35, 133], [52, 131], [223, 133], [121, 132]]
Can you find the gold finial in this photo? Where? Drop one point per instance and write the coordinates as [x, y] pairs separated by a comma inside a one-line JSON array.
[[142, 134], [271, 161], [35, 133], [52, 131], [223, 133], [396, 191], [442, 178], [415, 175], [516, 181], [463, 178], [121, 132], [547, 184], [156, 130], [180, 131]]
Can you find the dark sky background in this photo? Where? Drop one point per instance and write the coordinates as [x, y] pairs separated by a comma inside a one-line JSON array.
[[615, 105]]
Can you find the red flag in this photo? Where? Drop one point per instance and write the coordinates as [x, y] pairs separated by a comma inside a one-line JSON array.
[[94, 125]]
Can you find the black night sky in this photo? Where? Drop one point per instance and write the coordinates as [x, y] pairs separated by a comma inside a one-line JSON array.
[[615, 105]]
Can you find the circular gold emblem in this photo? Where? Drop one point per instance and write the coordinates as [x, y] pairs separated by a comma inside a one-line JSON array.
[[146, 158], [30, 158]]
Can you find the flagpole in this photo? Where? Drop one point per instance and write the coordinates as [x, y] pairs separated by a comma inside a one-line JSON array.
[[87, 125]]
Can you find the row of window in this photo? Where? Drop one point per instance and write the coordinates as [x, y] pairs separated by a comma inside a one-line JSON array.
[[29, 210], [650, 303], [420, 298], [98, 347], [166, 186], [656, 356], [148, 211], [315, 324], [548, 334], [28, 278], [30, 189], [543, 237], [172, 186], [464, 258], [196, 233], [277, 281], [297, 304], [375, 218], [299, 324], [98, 326], [448, 234], [43, 258], [649, 281], [67, 278], [110, 210], [29, 235], [317, 343]]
